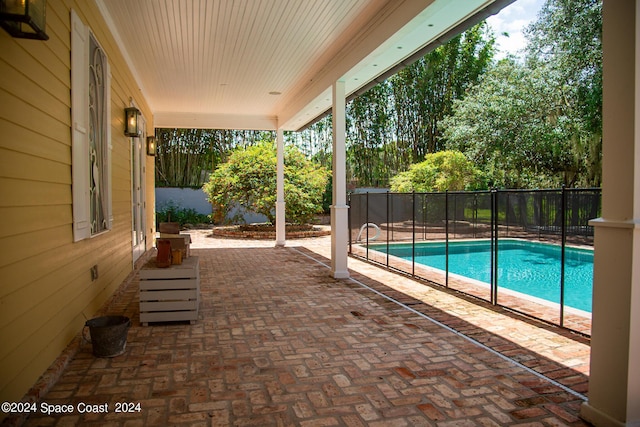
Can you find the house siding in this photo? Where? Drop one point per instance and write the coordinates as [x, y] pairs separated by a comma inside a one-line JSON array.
[[46, 292]]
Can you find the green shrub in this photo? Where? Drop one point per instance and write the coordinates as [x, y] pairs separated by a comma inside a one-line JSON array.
[[444, 170], [248, 180], [170, 212]]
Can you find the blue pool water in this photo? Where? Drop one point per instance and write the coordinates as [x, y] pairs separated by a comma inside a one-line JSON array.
[[532, 268]]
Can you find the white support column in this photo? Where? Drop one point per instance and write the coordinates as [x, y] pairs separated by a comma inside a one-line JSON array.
[[280, 204], [339, 210], [614, 383]]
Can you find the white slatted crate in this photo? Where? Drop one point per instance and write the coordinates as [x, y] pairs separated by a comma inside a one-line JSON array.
[[170, 294]]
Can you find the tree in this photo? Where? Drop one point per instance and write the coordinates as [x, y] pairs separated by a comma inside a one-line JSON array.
[[567, 39], [441, 171], [514, 127], [248, 180], [389, 127], [423, 93], [539, 124], [186, 156], [369, 127], [314, 141], [183, 157]]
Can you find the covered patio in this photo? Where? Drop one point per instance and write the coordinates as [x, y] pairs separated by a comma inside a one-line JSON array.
[[279, 341], [272, 65]]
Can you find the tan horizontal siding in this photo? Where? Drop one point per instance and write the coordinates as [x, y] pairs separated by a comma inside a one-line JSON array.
[[31, 61], [26, 141], [41, 170], [41, 243], [23, 193], [53, 95], [58, 22], [23, 114], [23, 220], [46, 292], [28, 270], [44, 297]]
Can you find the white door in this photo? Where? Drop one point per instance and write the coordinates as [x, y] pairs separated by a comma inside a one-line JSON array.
[[138, 170]]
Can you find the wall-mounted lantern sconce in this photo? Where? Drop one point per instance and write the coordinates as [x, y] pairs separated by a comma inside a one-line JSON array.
[[151, 146], [132, 115], [24, 18]]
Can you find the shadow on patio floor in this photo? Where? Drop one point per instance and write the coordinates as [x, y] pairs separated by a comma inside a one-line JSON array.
[[280, 342]]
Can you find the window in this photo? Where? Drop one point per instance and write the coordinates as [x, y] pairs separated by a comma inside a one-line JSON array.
[[91, 139]]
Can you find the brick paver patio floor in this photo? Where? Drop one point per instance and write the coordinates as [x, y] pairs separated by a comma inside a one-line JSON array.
[[279, 342]]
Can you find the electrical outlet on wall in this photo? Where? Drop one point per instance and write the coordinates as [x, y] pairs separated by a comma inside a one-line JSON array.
[[94, 272]]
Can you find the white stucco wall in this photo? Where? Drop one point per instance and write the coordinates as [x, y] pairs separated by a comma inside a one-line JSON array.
[[188, 198]]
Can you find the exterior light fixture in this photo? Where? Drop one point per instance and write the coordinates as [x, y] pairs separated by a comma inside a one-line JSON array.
[[132, 116], [151, 146], [24, 18]]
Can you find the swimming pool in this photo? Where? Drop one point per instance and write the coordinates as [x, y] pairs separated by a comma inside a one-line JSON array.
[[531, 268]]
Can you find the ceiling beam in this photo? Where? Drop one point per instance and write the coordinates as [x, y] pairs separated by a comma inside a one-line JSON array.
[[214, 121]]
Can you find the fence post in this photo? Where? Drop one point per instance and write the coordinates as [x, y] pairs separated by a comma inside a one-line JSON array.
[[388, 224], [366, 221], [446, 238], [563, 218], [350, 212], [494, 246], [492, 204], [413, 233]]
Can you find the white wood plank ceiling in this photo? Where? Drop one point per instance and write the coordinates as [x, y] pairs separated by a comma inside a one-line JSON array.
[[256, 64]]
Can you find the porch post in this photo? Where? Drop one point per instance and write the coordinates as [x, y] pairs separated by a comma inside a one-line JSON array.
[[339, 218], [614, 383], [280, 204]]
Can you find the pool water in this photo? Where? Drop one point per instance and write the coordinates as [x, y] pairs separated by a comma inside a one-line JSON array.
[[531, 268]]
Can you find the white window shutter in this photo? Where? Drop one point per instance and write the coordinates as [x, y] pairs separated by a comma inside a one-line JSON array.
[[110, 148], [79, 127]]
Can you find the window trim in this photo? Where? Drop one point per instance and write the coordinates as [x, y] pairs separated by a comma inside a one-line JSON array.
[[80, 163]]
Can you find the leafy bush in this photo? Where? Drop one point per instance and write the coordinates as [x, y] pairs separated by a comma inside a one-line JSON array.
[[248, 180], [170, 212], [444, 170]]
